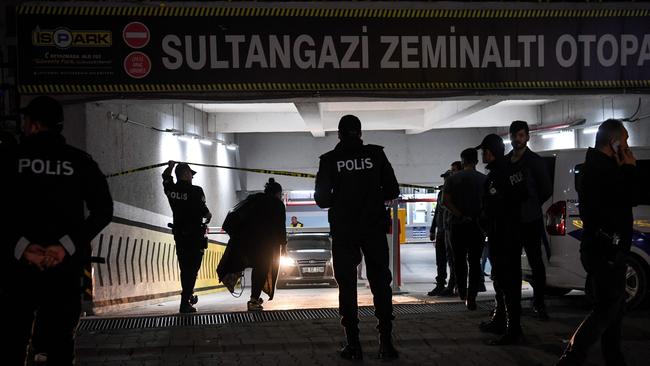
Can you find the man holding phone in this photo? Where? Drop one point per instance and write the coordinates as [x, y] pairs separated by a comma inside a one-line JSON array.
[[607, 238]]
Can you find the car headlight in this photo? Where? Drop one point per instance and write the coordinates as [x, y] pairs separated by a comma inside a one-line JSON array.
[[287, 261]]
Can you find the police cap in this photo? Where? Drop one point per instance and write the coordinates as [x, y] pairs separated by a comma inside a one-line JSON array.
[[44, 109], [182, 167], [494, 143]]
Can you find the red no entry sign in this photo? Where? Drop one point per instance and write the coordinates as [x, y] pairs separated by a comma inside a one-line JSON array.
[[136, 35], [137, 65]]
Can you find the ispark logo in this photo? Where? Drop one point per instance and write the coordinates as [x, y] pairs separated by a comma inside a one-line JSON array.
[[65, 38]]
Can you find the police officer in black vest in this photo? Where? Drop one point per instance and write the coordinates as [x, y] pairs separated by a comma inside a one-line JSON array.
[[188, 206], [505, 190], [353, 181], [47, 239]]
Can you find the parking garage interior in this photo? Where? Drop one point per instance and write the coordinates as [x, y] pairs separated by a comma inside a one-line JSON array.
[[120, 136]]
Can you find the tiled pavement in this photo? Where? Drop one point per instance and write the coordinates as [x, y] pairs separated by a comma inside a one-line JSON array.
[[433, 338]]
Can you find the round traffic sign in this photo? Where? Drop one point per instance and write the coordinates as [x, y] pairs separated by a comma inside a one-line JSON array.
[[137, 65], [136, 35]]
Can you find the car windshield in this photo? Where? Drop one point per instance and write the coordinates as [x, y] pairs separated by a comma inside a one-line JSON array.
[[307, 243]]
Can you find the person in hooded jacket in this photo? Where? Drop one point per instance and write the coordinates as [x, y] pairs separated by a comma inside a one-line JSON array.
[[258, 236], [353, 182]]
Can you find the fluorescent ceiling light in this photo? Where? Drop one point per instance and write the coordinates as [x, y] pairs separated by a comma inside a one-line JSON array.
[[232, 146], [185, 138], [524, 102], [206, 142], [591, 130], [244, 107], [550, 135]]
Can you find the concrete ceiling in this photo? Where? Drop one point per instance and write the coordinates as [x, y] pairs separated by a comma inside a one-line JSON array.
[[412, 117]]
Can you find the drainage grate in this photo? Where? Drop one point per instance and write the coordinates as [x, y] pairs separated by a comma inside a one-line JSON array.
[[177, 320]]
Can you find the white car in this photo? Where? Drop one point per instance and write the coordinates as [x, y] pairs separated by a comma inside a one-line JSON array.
[[564, 271]]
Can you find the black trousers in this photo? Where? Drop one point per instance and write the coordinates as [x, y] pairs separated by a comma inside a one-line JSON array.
[[258, 277], [531, 237], [46, 303], [505, 256], [444, 256], [189, 250], [467, 241], [346, 255], [604, 322]]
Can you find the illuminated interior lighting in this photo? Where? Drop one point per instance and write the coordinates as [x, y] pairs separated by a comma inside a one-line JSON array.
[[184, 138], [550, 135]]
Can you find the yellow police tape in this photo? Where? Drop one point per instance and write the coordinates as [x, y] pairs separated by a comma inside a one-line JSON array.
[[252, 170]]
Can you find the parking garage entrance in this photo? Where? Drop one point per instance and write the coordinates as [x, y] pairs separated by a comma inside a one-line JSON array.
[[141, 79]]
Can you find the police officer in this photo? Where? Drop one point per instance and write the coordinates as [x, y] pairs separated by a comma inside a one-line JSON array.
[[353, 181], [538, 184], [505, 190], [188, 206], [49, 235], [607, 238]]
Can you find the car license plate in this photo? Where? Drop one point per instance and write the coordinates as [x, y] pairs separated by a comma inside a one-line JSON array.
[[313, 269]]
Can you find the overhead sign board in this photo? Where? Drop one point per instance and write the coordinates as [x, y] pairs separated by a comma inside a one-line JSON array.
[[165, 50]]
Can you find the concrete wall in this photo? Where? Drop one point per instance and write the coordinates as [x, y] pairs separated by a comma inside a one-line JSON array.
[[141, 267], [417, 159], [594, 109], [118, 146], [141, 264]]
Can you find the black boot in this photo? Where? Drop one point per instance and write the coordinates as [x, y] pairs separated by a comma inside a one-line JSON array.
[[539, 312], [386, 349], [352, 350], [513, 335], [496, 324], [436, 291], [470, 303], [194, 299], [186, 307]]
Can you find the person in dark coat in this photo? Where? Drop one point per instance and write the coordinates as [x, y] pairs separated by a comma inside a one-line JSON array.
[[188, 206], [353, 181], [540, 188], [59, 201], [463, 199], [258, 236], [607, 222], [504, 192]]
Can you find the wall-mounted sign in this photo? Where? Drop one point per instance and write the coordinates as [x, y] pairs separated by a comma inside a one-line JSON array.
[[302, 51]]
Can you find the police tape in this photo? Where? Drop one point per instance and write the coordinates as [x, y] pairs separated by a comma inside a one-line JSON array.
[[252, 170], [125, 172]]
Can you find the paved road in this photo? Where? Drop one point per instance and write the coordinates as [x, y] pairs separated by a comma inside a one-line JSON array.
[[427, 338], [446, 336], [418, 271]]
